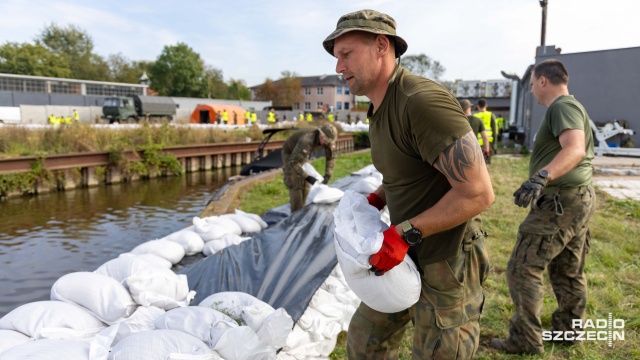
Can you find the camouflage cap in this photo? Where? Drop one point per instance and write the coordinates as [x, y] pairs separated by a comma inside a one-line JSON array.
[[369, 21], [464, 103], [329, 131]]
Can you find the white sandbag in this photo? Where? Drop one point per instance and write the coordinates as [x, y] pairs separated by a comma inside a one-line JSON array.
[[168, 250], [229, 226], [159, 287], [142, 319], [367, 184], [48, 349], [306, 345], [357, 237], [52, 320], [12, 338], [247, 224], [204, 323], [162, 345], [214, 246], [210, 230], [311, 171], [191, 241], [275, 328], [155, 259], [367, 170], [318, 324], [323, 194], [255, 217], [243, 343], [242, 307], [103, 296], [124, 265]]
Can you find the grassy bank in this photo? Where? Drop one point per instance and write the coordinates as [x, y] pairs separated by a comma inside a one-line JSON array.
[[612, 266]]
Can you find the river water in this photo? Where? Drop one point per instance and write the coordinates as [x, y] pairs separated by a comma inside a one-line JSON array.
[[46, 236]]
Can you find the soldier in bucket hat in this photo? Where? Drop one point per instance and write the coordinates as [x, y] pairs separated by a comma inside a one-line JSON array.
[[296, 151], [435, 185]]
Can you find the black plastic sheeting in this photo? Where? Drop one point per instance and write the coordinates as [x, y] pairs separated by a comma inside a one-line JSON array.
[[284, 265]]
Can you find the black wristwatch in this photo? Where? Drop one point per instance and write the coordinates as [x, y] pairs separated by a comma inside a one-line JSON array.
[[412, 236], [543, 174]]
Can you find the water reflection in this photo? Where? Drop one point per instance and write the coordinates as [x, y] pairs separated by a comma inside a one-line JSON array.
[[46, 236]]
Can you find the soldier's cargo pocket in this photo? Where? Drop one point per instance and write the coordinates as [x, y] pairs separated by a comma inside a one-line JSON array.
[[535, 249]]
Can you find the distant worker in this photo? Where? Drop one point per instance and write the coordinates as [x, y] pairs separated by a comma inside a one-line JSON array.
[[219, 117], [349, 118], [490, 126], [225, 117], [247, 117], [235, 118], [500, 125], [271, 117], [67, 120], [301, 116], [330, 117], [296, 151], [309, 117], [478, 129], [52, 120], [76, 116], [254, 117]]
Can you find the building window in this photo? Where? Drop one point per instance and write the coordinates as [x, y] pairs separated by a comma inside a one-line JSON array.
[[346, 90], [339, 105], [297, 106], [339, 90], [307, 91], [320, 91], [346, 105], [319, 105], [307, 106]]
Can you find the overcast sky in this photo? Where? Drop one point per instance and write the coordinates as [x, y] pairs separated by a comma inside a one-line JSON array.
[[254, 40]]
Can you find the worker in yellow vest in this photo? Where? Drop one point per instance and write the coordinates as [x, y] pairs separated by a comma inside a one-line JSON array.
[[225, 116], [309, 117], [52, 120], [330, 116], [76, 116], [500, 125], [247, 117], [489, 121], [301, 116], [67, 120], [271, 117], [254, 117]]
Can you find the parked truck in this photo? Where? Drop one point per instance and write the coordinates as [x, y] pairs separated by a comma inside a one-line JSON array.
[[131, 109]]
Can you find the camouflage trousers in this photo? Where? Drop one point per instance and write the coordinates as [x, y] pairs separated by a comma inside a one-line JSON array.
[[554, 235], [298, 190], [445, 318]]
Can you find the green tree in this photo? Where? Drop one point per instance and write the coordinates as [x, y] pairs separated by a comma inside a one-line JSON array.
[[423, 65], [178, 71], [32, 59], [121, 69], [213, 83], [237, 90], [75, 46], [284, 92]]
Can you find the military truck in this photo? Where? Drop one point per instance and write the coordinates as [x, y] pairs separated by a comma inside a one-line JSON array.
[[131, 109]]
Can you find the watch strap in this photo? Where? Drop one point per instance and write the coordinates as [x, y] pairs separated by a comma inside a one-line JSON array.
[[406, 226]]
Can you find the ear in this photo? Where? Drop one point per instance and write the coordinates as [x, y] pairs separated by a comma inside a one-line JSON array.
[[382, 44]]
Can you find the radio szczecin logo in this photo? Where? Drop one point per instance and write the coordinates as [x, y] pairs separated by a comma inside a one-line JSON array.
[[608, 330]]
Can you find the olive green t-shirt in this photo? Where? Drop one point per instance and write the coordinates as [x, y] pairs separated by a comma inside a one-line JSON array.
[[564, 113], [416, 121], [476, 124]]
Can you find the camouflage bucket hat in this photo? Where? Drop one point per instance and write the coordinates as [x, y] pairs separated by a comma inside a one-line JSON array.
[[369, 21], [464, 103], [329, 131]]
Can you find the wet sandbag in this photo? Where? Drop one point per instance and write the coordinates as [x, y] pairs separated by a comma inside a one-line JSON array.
[[358, 231]]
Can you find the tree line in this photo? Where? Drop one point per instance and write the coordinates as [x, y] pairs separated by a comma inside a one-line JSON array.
[[68, 52]]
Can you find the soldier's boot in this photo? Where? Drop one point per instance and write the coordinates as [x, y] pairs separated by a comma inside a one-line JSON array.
[[506, 346]]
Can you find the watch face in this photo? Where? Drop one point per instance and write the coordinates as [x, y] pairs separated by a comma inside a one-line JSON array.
[[413, 237], [543, 173]]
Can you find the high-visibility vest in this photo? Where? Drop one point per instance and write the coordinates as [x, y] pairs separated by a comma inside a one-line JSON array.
[[254, 117], [366, 121], [76, 116], [500, 122], [331, 117], [485, 116], [67, 120], [52, 120], [225, 117], [247, 117], [309, 117], [271, 117], [301, 117]]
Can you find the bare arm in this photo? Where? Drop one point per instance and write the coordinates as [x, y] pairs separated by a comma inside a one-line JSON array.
[[573, 151], [471, 192], [485, 141]]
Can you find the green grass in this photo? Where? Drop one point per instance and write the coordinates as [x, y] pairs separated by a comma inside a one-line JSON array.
[[613, 265]]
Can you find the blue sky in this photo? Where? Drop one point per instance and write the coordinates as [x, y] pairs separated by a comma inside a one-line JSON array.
[[255, 40]]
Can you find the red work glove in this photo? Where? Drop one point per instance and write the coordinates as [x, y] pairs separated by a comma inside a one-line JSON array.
[[393, 250], [375, 201]]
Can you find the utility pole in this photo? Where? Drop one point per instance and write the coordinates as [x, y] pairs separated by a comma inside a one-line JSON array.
[[543, 4]]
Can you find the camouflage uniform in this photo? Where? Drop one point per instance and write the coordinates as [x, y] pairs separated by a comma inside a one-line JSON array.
[[295, 153], [446, 317], [555, 235]]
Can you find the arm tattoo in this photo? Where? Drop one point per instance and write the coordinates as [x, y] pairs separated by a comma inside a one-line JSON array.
[[462, 155]]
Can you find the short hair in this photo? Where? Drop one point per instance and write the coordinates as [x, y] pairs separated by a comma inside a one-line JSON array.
[[553, 70], [482, 103]]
